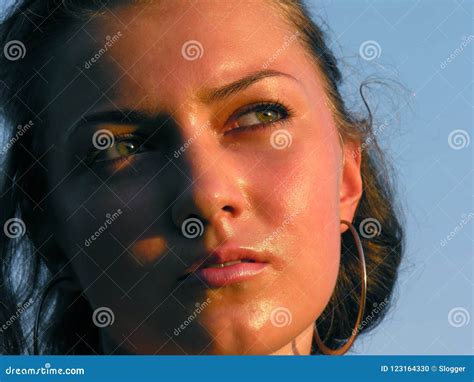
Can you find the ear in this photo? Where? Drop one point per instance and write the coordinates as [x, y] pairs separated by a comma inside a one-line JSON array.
[[350, 189]]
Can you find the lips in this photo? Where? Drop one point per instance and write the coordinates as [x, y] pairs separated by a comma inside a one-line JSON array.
[[225, 266], [228, 263]]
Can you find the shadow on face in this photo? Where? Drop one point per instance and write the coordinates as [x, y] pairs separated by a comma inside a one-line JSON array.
[[207, 113]]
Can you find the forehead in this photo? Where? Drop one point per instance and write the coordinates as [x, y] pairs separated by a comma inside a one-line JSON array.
[[177, 47], [212, 34]]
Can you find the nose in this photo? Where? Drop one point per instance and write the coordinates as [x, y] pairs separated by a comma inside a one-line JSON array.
[[213, 196]]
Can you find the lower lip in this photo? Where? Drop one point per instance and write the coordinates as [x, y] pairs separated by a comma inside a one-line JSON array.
[[218, 277]]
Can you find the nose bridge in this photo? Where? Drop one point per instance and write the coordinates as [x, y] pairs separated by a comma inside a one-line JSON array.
[[212, 192], [199, 146]]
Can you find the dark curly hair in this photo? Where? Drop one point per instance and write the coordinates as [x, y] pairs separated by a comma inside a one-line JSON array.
[[27, 264]]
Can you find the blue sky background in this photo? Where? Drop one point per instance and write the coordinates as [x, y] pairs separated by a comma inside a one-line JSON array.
[[434, 180], [433, 304]]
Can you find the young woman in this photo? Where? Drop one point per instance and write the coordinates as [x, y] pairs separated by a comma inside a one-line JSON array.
[[188, 180]]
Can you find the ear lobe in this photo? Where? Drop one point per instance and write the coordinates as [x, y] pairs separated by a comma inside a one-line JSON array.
[[350, 189]]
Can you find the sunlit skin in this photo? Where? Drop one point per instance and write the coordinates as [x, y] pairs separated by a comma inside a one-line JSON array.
[[230, 176]]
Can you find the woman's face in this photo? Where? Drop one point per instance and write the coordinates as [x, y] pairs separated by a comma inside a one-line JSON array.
[[217, 114]]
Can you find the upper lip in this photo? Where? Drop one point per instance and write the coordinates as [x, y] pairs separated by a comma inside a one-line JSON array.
[[226, 254]]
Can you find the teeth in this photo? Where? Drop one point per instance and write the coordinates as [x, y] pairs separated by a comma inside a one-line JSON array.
[[222, 265]]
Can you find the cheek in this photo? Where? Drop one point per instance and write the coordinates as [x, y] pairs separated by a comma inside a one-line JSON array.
[[300, 197], [116, 237], [113, 226]]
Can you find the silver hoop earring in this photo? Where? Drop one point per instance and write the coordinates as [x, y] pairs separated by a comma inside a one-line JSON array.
[[363, 296]]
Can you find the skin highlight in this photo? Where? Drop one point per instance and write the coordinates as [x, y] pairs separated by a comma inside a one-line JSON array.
[[234, 180]]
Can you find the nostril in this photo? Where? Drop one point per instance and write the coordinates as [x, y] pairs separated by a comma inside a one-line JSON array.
[[228, 209]]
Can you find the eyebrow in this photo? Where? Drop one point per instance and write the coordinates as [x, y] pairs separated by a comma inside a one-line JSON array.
[[135, 117], [120, 117], [220, 93]]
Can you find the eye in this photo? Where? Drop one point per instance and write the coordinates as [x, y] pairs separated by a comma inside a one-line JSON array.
[[260, 115], [122, 148]]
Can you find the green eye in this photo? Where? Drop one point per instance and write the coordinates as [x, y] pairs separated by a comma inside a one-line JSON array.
[[122, 148], [261, 115], [267, 116]]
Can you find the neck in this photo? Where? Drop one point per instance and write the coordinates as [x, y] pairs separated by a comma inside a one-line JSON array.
[[301, 345]]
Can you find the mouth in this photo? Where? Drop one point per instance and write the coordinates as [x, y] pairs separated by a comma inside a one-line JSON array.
[[227, 263], [223, 267]]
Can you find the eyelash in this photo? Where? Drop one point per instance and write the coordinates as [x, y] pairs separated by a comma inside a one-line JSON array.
[[93, 153], [280, 107]]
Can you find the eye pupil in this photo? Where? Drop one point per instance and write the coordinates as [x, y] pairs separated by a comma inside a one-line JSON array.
[[259, 116], [126, 148], [267, 116]]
